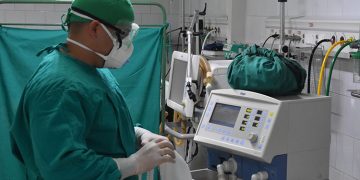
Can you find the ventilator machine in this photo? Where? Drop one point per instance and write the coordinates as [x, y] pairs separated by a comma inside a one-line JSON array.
[[257, 137]]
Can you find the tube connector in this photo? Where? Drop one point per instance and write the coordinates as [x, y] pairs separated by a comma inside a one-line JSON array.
[[230, 166], [233, 177], [220, 171], [262, 175]]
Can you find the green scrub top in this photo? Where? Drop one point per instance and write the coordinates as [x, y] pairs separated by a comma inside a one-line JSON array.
[[71, 121]]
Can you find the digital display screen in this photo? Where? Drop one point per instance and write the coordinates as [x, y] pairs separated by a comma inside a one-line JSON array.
[[225, 115], [178, 81]]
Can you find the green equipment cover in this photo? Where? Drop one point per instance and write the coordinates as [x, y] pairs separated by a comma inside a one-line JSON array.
[[267, 72]]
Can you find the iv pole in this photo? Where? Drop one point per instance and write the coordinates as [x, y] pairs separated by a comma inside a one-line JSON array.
[[282, 47], [183, 24]]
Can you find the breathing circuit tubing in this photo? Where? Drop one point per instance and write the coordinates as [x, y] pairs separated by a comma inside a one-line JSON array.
[[333, 64], [324, 65], [311, 60]]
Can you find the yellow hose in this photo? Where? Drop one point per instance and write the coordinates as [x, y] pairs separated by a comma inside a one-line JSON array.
[[324, 65], [177, 118], [206, 70], [202, 69]]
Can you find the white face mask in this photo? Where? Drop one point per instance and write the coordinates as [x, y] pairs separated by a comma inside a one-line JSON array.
[[118, 56]]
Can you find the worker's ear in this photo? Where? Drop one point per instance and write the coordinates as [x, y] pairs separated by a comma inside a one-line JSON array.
[[94, 28]]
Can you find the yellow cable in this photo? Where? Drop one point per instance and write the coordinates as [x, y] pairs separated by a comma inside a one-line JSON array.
[[206, 71], [203, 69], [324, 65], [177, 118]]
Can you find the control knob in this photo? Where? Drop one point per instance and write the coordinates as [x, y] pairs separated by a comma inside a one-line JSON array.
[[252, 137]]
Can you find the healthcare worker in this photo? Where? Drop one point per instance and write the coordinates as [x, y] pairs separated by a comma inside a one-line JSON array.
[[72, 121]]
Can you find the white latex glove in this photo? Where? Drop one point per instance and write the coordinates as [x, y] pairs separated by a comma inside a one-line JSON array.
[[145, 136], [152, 154]]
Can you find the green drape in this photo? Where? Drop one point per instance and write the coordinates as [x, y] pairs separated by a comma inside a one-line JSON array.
[[139, 80]]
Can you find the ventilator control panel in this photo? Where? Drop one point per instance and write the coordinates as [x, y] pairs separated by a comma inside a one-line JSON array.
[[240, 124]]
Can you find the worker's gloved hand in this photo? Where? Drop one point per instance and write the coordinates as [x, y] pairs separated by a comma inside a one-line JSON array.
[[145, 136], [152, 154]]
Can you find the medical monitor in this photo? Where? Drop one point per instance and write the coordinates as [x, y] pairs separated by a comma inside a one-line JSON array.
[[177, 81]]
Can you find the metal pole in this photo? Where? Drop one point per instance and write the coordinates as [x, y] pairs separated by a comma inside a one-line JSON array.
[[189, 35], [282, 24], [183, 24]]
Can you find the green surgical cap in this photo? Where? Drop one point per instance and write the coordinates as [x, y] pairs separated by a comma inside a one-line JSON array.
[[114, 12]]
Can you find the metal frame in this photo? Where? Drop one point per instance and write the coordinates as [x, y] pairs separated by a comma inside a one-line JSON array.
[[165, 24]]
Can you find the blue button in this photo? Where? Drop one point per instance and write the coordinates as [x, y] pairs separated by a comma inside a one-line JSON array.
[[269, 120], [227, 139], [260, 146], [242, 142], [267, 126], [223, 138], [232, 140], [202, 126], [237, 141]]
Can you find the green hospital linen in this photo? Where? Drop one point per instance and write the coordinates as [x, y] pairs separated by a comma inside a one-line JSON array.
[[267, 72]]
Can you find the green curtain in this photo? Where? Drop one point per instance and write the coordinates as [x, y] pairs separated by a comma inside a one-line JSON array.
[[139, 80]]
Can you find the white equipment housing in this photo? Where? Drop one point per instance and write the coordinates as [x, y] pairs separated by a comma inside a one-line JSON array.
[[177, 97], [219, 73], [260, 127]]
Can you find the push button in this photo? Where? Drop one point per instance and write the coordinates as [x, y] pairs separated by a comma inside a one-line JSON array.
[[248, 110]]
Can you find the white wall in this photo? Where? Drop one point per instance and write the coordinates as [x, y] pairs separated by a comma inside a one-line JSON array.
[[259, 10], [47, 14], [30, 13]]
